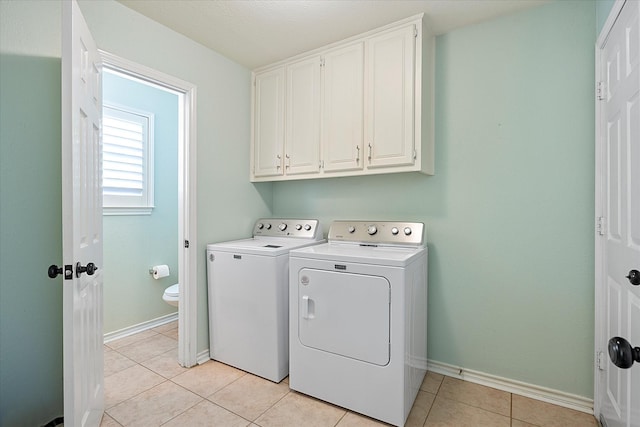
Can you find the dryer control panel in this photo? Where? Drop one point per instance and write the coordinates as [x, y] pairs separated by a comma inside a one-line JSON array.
[[288, 227], [378, 232]]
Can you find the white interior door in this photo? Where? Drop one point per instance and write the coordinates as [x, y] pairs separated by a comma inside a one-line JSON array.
[[618, 378], [82, 221]]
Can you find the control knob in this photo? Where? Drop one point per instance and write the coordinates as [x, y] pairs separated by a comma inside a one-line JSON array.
[[307, 227], [260, 226], [298, 227], [407, 231], [394, 231], [282, 226], [268, 226], [351, 229], [372, 229]]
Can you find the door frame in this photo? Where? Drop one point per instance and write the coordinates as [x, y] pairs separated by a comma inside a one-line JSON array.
[[187, 208], [600, 355]]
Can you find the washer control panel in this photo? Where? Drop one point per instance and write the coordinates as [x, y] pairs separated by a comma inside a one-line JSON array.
[[287, 227], [378, 232]]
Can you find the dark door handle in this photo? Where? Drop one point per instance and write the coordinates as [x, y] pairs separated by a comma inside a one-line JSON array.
[[89, 269], [54, 270], [634, 277], [622, 354]]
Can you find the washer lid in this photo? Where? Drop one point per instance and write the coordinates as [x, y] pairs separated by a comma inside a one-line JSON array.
[[265, 246]]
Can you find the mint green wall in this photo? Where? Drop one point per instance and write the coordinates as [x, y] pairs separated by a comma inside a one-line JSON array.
[[135, 243], [509, 213], [30, 214], [603, 7], [228, 203]]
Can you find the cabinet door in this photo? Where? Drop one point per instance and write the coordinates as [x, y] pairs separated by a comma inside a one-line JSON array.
[[390, 98], [302, 138], [268, 125], [343, 108]]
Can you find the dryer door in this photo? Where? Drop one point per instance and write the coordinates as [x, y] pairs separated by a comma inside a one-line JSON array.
[[344, 313]]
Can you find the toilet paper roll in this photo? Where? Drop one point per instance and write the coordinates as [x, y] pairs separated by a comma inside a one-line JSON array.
[[160, 271]]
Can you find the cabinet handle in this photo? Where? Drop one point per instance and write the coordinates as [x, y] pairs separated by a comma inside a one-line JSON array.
[[279, 161], [288, 161], [370, 150], [358, 154]]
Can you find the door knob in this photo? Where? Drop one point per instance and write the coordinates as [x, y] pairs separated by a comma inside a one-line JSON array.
[[89, 269], [622, 354], [54, 270], [634, 277]]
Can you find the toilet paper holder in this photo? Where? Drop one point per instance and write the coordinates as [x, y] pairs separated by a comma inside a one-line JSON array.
[[159, 271]]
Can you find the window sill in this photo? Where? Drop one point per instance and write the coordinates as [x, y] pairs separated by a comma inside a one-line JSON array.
[[133, 210]]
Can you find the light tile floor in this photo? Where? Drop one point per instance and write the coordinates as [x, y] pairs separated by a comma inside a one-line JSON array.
[[145, 386]]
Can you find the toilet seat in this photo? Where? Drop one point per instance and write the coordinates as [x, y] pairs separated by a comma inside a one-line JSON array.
[[173, 290], [172, 295]]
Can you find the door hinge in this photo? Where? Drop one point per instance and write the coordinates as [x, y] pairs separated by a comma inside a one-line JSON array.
[[600, 91], [186, 244], [600, 360], [601, 225], [415, 31]]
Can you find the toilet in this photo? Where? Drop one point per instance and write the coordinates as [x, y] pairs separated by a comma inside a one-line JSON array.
[[172, 295]]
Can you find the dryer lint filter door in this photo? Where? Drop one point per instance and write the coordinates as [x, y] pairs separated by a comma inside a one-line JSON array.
[[345, 314]]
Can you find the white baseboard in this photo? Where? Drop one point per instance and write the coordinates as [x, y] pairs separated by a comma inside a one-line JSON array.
[[125, 332], [556, 397], [202, 357]]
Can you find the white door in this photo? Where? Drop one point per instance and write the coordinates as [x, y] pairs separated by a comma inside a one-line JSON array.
[[82, 221], [618, 383], [343, 108], [389, 129], [302, 137], [345, 314], [268, 123]]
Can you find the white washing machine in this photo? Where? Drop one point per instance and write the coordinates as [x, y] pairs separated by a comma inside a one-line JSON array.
[[248, 283], [358, 318]]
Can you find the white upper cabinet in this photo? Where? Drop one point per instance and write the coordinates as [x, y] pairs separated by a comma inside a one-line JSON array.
[[390, 118], [358, 107], [302, 117], [268, 123], [343, 108]]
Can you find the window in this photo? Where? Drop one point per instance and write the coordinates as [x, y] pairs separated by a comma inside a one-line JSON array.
[[127, 163]]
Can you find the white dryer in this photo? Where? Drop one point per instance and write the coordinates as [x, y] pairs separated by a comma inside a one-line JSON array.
[[358, 318], [248, 284]]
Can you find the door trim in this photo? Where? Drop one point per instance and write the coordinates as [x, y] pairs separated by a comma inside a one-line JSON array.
[[600, 165], [187, 209]]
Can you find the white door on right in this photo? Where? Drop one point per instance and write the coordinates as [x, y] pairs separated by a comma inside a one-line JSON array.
[[620, 378]]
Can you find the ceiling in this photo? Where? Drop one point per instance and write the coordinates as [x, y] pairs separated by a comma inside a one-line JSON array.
[[259, 32]]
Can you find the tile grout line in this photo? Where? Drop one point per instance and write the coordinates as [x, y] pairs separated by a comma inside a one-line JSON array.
[[433, 403]]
